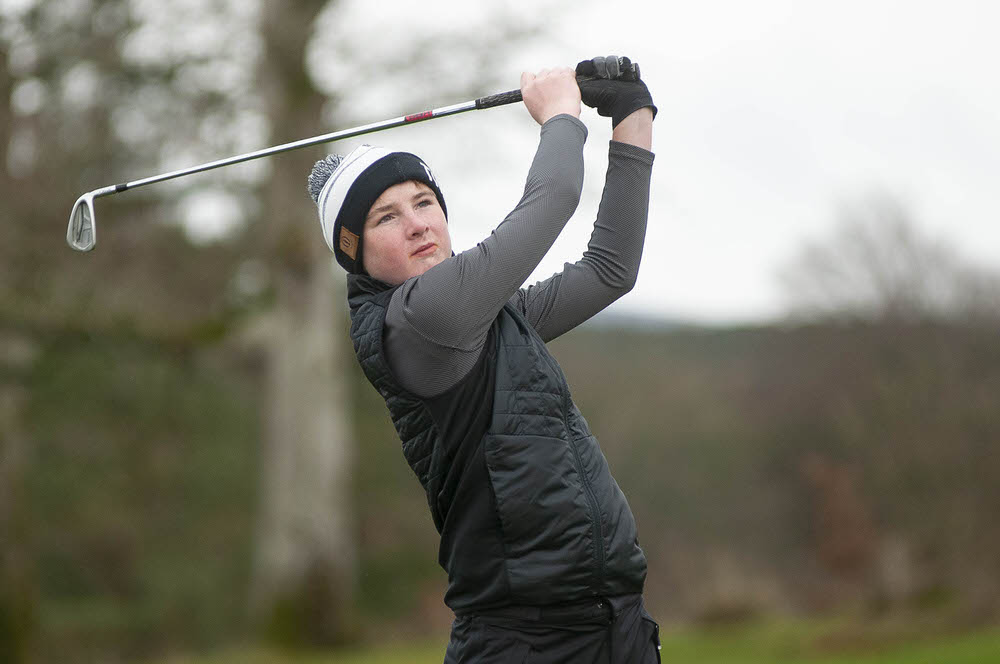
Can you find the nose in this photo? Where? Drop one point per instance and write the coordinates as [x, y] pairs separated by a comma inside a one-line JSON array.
[[415, 226]]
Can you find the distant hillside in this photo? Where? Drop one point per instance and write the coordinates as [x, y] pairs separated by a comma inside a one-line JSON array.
[[769, 468], [609, 319], [785, 466]]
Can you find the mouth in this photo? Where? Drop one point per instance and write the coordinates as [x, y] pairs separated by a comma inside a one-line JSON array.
[[425, 250]]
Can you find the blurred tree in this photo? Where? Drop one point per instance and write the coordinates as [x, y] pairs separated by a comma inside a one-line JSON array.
[[877, 265], [13, 613], [104, 91], [95, 92], [903, 400], [305, 569], [18, 597], [843, 531], [96, 99]]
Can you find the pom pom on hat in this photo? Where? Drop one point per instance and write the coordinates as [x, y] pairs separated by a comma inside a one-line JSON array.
[[321, 172]]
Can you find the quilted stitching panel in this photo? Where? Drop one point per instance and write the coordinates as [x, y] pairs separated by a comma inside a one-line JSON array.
[[410, 417]]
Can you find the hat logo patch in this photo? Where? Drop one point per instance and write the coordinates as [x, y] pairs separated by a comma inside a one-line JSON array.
[[426, 168], [348, 243]]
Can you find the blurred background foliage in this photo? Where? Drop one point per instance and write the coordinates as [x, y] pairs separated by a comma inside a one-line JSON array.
[[838, 462]]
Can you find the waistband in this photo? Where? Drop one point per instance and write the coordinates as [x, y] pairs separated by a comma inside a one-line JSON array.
[[594, 609]]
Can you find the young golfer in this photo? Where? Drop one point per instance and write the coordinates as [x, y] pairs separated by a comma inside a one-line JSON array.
[[539, 542]]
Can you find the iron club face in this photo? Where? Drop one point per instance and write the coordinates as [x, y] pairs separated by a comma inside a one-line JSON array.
[[81, 233]]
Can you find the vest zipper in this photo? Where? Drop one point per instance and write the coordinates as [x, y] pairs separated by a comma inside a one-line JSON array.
[[598, 526], [595, 510]]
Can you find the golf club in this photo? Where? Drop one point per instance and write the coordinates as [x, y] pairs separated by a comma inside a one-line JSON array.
[[82, 232]]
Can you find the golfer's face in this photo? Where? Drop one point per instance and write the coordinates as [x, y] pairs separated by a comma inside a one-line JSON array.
[[406, 233]]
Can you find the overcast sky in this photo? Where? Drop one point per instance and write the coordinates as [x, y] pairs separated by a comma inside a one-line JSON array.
[[771, 113]]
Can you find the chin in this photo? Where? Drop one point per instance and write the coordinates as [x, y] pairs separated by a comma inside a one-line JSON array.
[[414, 268], [428, 262]]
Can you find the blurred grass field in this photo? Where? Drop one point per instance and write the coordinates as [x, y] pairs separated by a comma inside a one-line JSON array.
[[766, 643]]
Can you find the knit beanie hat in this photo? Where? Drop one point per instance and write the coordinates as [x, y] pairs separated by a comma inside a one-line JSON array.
[[345, 187]]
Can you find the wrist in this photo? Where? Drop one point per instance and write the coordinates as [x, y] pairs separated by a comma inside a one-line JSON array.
[[636, 129], [642, 115], [561, 110]]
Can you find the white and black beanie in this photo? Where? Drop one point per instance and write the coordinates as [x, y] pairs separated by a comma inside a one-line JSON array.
[[345, 188]]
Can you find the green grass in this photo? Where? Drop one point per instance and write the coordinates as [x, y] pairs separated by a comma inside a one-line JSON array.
[[766, 643], [423, 652], [829, 643]]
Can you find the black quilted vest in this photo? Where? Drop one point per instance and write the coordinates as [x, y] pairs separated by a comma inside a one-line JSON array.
[[518, 487]]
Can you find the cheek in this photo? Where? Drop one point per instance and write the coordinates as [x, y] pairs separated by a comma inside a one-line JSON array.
[[440, 227], [382, 253]]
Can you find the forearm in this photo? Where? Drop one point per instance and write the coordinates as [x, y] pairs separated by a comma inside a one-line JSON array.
[[610, 265]]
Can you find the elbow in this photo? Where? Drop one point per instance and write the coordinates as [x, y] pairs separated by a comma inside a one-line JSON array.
[[616, 289], [628, 283], [622, 284], [618, 278]]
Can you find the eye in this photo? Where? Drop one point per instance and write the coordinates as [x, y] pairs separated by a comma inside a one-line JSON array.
[[424, 202], [384, 219]]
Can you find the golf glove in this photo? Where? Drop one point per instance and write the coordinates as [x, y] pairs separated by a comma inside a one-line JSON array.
[[615, 89]]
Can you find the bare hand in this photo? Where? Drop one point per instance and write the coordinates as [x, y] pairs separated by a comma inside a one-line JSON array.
[[551, 92]]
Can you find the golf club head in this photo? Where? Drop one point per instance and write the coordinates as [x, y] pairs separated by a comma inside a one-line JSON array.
[[82, 233]]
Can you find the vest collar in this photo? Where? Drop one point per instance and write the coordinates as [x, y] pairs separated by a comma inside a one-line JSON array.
[[361, 288]]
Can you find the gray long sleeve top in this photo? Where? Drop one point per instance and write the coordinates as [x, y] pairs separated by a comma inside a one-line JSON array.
[[437, 323]]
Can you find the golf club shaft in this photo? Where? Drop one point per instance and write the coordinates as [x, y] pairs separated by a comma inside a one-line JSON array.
[[81, 234], [490, 101]]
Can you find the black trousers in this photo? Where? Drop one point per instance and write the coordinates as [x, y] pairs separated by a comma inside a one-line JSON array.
[[609, 630]]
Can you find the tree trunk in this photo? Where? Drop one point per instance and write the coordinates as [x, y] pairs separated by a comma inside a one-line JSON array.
[[17, 595], [305, 567]]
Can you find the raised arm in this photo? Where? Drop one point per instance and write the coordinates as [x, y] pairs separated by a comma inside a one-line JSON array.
[[437, 323], [610, 265]]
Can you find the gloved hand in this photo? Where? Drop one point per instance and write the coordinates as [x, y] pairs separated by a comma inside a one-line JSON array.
[[617, 91]]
